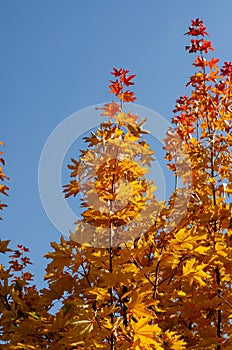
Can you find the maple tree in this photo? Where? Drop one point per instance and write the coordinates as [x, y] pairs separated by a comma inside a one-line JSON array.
[[135, 274]]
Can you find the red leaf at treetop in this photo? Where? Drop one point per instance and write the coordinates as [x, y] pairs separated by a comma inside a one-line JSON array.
[[127, 80], [117, 72], [115, 87]]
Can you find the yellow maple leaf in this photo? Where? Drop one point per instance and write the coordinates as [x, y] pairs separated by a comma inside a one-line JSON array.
[[194, 272], [100, 293], [202, 250], [220, 249], [186, 239], [138, 307], [173, 340], [86, 326], [146, 335]]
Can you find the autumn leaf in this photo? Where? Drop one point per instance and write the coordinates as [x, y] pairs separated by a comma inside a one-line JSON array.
[[146, 335], [195, 272], [173, 340], [86, 326], [110, 109], [71, 189], [187, 239], [213, 63], [117, 72], [127, 80], [4, 246], [93, 140], [100, 293], [137, 306], [115, 87], [127, 96], [74, 167], [3, 189]]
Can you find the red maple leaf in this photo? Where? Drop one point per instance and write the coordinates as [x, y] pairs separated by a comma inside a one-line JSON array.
[[25, 260], [125, 71], [15, 265], [198, 28], [200, 62], [127, 80], [227, 69], [205, 46], [197, 22], [116, 87], [24, 249], [195, 46], [16, 254], [117, 72]]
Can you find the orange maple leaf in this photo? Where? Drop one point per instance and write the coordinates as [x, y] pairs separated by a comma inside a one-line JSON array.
[[110, 109], [71, 189], [127, 96]]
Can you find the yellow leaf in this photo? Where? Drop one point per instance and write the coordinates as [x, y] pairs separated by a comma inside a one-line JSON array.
[[137, 306], [146, 334], [107, 324], [180, 293], [220, 249], [186, 239], [101, 293], [173, 341], [202, 250], [193, 271], [86, 326]]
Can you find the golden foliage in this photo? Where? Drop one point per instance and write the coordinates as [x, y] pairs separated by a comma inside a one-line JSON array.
[[124, 280]]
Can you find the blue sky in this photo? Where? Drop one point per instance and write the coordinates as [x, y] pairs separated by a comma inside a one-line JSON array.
[[55, 60]]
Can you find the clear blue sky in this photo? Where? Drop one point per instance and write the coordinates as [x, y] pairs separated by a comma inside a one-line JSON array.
[[55, 60]]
